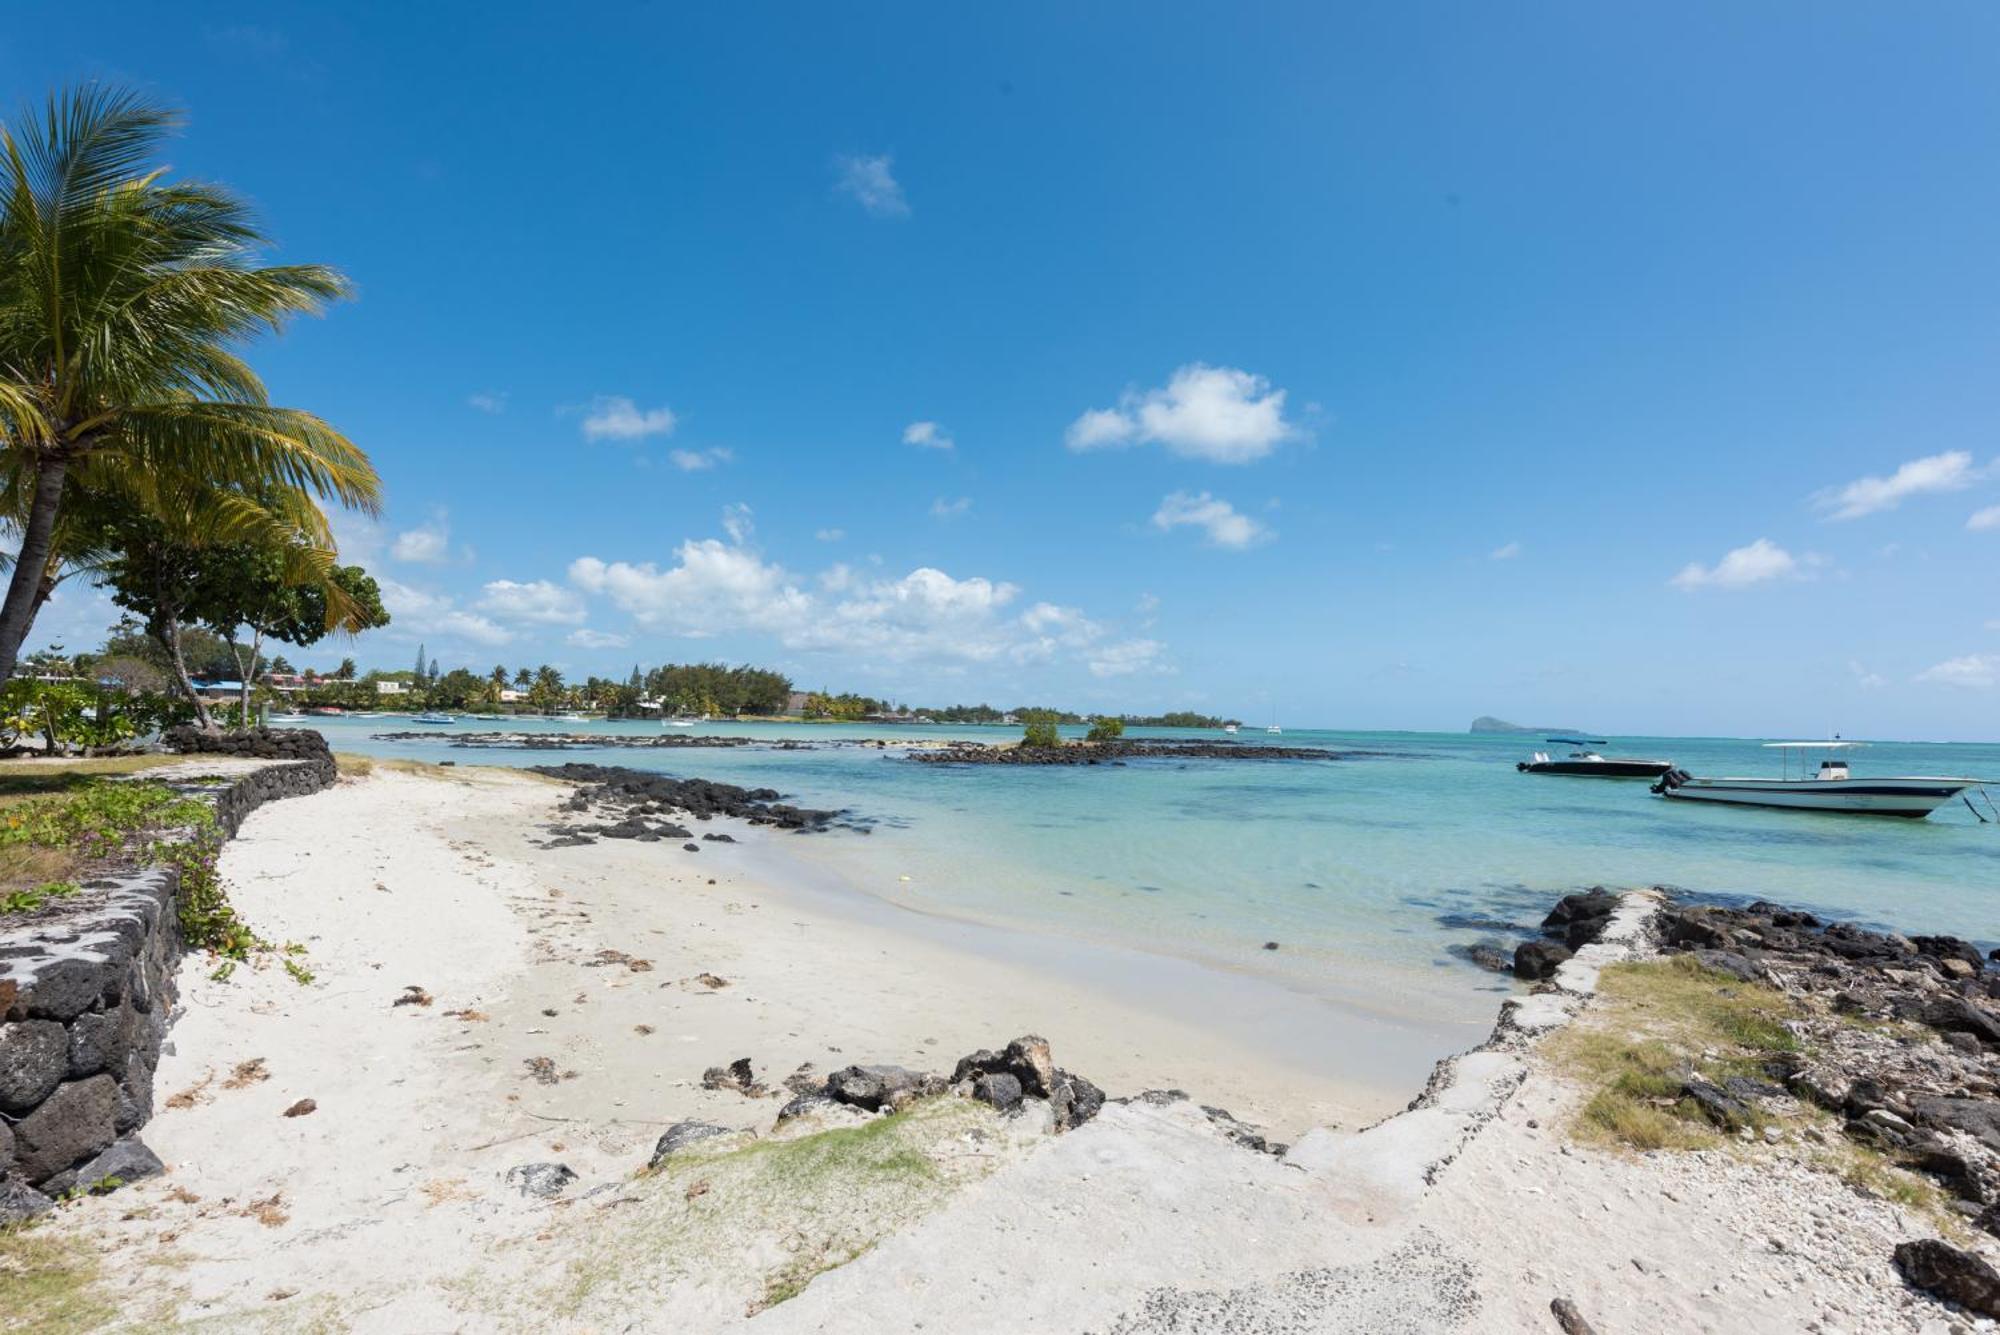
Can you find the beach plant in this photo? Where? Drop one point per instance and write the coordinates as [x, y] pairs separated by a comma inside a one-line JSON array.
[[124, 300], [1106, 730], [1658, 1025], [1042, 735]]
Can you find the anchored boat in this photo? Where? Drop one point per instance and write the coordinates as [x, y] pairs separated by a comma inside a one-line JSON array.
[[1832, 787], [1584, 762]]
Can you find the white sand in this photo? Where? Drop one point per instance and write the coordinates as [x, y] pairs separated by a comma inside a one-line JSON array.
[[384, 1209]]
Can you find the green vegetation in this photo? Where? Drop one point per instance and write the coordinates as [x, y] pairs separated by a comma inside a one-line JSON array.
[[1659, 1024], [1041, 734], [126, 299], [831, 1195], [1106, 730], [48, 1283]]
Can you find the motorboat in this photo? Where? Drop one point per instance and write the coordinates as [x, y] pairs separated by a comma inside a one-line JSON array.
[[430, 717], [288, 718], [679, 722], [1584, 762], [1229, 728], [1830, 787]]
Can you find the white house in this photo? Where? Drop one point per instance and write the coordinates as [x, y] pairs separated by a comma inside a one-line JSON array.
[[390, 688]]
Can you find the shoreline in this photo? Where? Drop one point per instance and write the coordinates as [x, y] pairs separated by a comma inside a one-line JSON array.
[[449, 1127]]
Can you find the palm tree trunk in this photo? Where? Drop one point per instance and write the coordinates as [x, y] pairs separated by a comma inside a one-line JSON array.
[[17, 614], [256, 649]]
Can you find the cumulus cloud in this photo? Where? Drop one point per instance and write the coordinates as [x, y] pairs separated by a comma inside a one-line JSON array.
[[1950, 471], [539, 601], [1125, 658], [1504, 552], [712, 587], [1969, 671], [698, 461], [1762, 560], [1982, 520], [1223, 524], [427, 544], [927, 436], [944, 509], [493, 402], [420, 614], [615, 417], [870, 181], [1216, 413], [586, 638]]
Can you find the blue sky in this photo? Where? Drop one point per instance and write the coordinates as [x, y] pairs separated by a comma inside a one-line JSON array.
[[1379, 365]]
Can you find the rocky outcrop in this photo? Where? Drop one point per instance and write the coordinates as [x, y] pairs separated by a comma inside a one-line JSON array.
[[86, 995], [1117, 753], [624, 799], [1940, 1268], [1025, 1070]]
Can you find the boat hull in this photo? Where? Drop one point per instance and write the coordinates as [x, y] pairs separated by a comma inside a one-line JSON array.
[[1912, 799], [1598, 769]]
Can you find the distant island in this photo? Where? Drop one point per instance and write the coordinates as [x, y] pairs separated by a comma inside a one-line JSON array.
[[1487, 723]]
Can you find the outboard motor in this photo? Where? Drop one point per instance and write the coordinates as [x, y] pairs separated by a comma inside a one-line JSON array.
[[1672, 779]]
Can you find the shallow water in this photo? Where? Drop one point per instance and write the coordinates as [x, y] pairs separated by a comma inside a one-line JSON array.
[[1365, 871]]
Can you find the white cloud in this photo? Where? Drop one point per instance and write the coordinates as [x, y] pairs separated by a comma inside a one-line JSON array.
[[870, 181], [736, 523], [715, 588], [488, 401], [1760, 561], [1951, 471], [427, 544], [419, 614], [1125, 658], [1971, 671], [1865, 679], [538, 601], [1504, 552], [615, 417], [927, 436], [696, 461], [586, 638], [1982, 520], [1216, 413], [1220, 520], [944, 509], [830, 534]]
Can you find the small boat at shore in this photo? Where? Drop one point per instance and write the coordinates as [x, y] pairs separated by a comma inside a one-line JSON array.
[[1229, 728], [679, 722], [432, 718], [1831, 788], [1585, 763]]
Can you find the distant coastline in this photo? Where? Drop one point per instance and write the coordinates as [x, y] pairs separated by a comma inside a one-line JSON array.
[[1487, 723]]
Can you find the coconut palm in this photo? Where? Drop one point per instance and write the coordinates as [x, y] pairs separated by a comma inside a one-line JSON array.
[[123, 299]]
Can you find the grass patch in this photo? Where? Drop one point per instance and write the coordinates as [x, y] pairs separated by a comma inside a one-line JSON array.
[[48, 1284], [1658, 1024], [352, 766], [765, 1218]]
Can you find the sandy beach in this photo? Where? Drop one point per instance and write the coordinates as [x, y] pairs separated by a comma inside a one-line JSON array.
[[346, 1154]]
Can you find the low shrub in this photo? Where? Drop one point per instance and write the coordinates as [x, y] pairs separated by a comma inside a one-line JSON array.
[[1041, 734]]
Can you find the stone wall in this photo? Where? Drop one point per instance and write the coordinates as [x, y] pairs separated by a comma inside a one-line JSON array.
[[86, 996]]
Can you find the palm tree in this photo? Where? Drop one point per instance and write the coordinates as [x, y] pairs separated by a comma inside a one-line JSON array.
[[122, 296]]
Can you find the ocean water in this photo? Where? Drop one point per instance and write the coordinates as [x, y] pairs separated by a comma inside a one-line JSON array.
[[1365, 871]]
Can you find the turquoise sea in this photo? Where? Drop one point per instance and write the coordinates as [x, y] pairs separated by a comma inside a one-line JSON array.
[[1365, 871]]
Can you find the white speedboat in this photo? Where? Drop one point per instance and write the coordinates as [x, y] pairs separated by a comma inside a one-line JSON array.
[[1832, 787], [679, 722], [432, 718], [1229, 728]]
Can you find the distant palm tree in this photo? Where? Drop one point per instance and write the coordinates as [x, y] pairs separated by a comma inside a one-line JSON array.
[[122, 297]]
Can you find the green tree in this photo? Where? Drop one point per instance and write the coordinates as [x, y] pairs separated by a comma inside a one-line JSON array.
[[1042, 735], [347, 668], [124, 298], [281, 591], [1106, 730]]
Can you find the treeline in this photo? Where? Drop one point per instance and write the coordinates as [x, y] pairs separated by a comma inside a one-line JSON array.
[[984, 713]]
